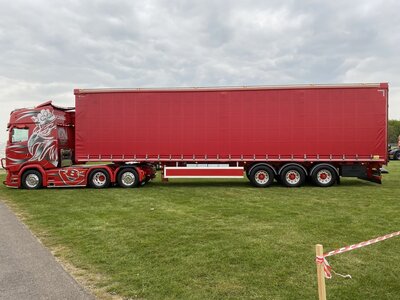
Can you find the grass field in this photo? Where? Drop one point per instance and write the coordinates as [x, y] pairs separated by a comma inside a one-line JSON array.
[[220, 239]]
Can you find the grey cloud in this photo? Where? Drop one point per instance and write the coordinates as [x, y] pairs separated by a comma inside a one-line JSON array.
[[48, 48]]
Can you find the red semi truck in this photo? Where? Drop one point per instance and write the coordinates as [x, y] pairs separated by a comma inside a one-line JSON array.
[[287, 133]]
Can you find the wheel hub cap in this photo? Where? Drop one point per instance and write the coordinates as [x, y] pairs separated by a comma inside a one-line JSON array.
[[32, 180], [293, 177], [128, 178], [324, 176], [99, 179], [262, 177]]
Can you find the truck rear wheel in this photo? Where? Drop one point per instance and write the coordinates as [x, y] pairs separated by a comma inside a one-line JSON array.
[[293, 176], [323, 176], [128, 178], [99, 179], [261, 176], [32, 180]]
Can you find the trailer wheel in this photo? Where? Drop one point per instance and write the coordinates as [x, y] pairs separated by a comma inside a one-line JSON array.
[[32, 180], [261, 176], [128, 178], [293, 176], [99, 179], [323, 176]]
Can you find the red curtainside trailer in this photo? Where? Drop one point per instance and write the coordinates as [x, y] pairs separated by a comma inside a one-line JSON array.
[[286, 133]]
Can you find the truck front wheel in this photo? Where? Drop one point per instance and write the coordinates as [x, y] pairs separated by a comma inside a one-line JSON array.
[[261, 176], [99, 179], [128, 178], [32, 180]]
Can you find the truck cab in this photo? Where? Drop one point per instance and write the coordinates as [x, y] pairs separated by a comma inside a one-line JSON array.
[[40, 138], [40, 152]]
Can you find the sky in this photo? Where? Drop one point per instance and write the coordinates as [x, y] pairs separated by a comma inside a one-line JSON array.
[[49, 48]]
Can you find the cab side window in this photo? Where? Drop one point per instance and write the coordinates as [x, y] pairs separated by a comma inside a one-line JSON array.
[[19, 135]]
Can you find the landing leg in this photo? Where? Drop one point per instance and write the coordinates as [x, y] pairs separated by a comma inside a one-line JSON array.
[[163, 179]]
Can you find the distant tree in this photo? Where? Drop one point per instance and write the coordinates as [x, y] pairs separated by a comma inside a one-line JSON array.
[[393, 131]]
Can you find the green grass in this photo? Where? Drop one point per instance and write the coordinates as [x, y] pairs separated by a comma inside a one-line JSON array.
[[199, 239]]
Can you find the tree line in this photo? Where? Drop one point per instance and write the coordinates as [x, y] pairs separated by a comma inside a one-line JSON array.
[[393, 131]]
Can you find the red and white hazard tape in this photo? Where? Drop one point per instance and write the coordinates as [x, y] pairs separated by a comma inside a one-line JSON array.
[[328, 269]]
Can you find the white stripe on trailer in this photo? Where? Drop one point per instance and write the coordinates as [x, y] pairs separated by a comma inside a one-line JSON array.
[[203, 172]]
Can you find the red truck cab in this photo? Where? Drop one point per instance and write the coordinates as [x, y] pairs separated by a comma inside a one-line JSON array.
[[39, 139]]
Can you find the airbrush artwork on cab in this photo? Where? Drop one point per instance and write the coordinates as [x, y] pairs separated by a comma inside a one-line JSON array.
[[42, 143]]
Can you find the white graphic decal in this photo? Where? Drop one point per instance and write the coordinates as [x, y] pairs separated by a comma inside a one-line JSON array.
[[41, 144], [72, 176]]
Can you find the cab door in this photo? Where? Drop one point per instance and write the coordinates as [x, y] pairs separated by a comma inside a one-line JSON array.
[[17, 151]]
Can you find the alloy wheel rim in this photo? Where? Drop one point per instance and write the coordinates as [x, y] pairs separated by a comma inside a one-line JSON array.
[[32, 180], [99, 179], [292, 177], [262, 177], [128, 178], [324, 176]]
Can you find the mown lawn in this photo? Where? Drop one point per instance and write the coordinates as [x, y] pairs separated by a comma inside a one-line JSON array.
[[221, 239]]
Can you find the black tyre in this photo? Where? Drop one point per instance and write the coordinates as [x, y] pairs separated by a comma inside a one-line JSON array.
[[128, 178], [32, 180], [397, 155], [99, 179], [292, 176], [261, 176], [323, 176]]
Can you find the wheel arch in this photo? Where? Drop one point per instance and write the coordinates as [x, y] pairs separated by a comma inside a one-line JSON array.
[[35, 167], [136, 167], [293, 164], [106, 168], [262, 164], [325, 165]]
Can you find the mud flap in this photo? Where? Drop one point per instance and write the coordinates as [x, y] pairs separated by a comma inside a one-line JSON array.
[[373, 176]]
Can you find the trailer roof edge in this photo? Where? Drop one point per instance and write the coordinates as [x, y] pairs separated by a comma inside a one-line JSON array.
[[232, 88]]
